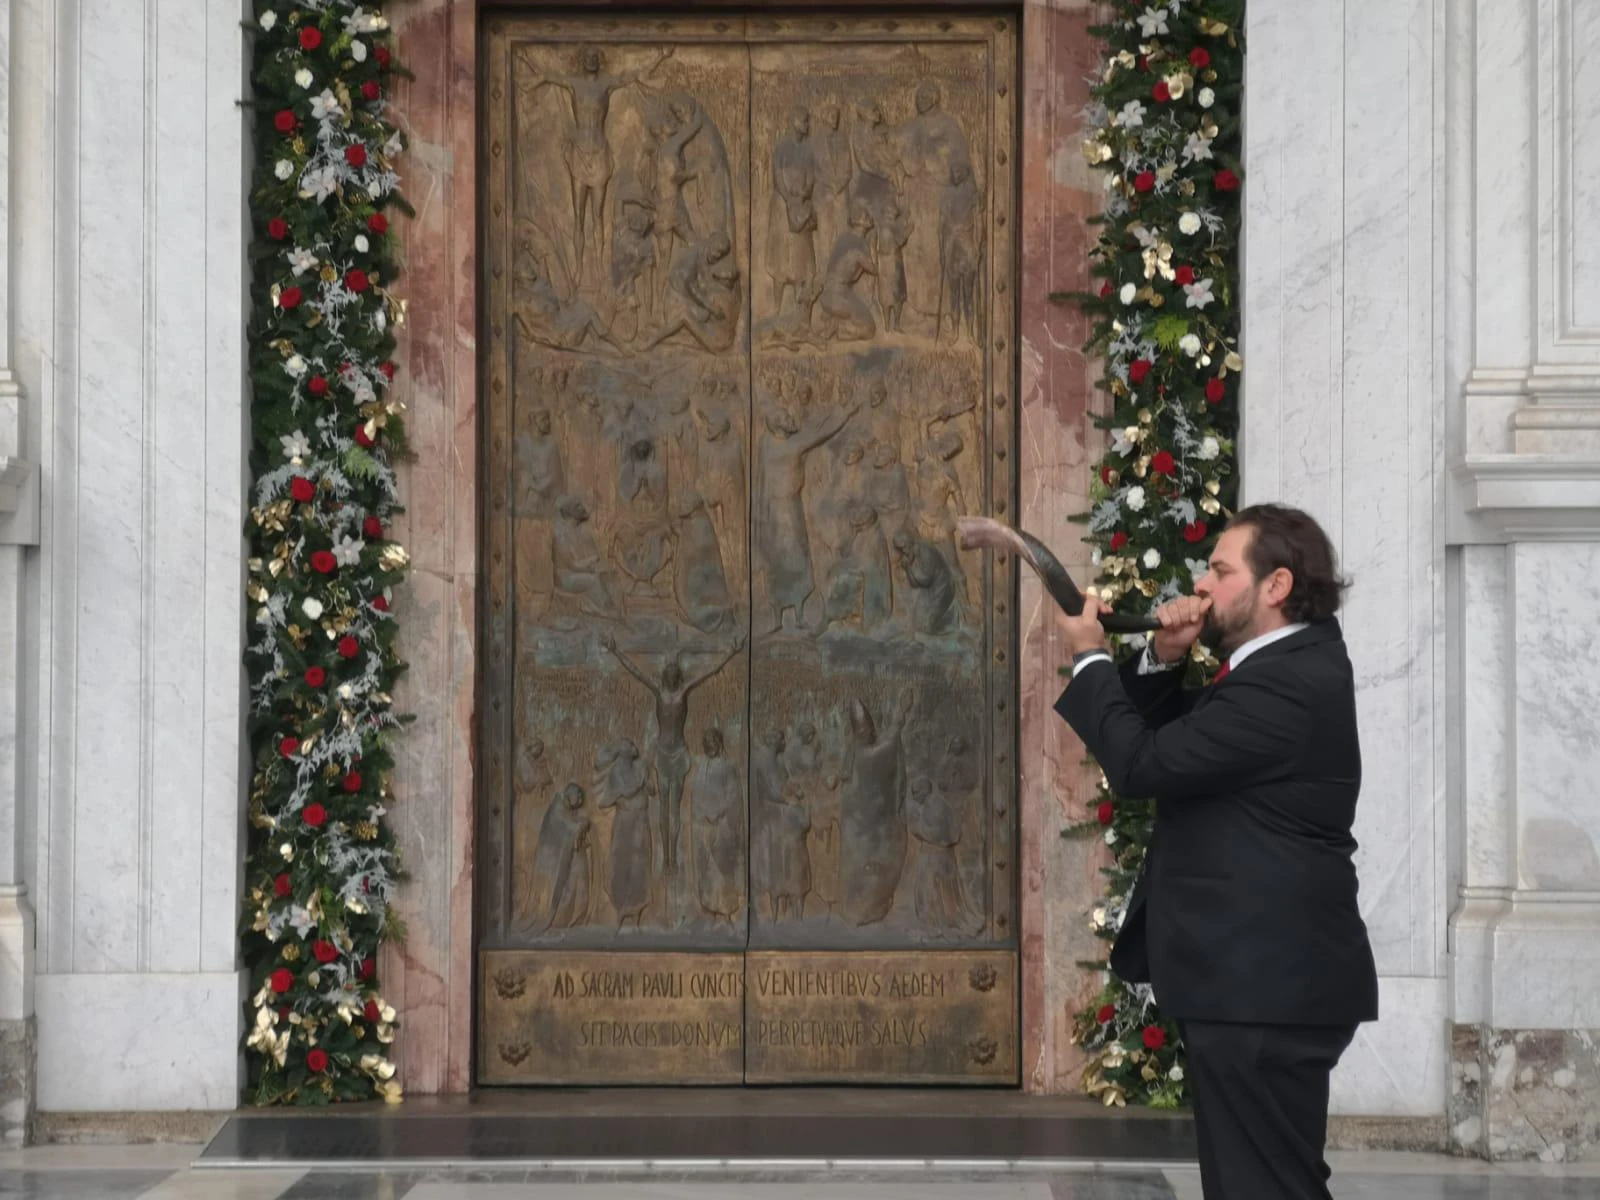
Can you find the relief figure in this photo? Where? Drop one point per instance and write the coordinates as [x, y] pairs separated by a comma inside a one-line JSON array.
[[834, 169], [931, 584], [586, 150], [581, 575], [538, 472], [671, 696], [846, 317], [792, 223], [624, 787], [703, 295], [716, 815], [782, 542], [702, 586], [821, 799], [558, 896], [874, 834], [935, 876]]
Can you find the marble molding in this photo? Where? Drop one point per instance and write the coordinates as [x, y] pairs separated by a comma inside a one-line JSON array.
[[1524, 1094], [17, 1084], [430, 980]]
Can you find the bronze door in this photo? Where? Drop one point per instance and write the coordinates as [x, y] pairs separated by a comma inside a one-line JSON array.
[[747, 714]]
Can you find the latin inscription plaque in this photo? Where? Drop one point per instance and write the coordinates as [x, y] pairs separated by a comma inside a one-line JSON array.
[[611, 1017]]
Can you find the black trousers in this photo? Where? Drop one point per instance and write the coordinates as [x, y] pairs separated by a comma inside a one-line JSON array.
[[1261, 1107]]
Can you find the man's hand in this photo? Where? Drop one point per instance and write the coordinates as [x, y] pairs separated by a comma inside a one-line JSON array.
[[1181, 622], [1084, 632]]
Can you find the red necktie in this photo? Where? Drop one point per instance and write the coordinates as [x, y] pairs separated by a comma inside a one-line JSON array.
[[1221, 674]]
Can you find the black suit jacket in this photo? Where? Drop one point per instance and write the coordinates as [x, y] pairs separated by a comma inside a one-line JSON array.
[[1246, 908]]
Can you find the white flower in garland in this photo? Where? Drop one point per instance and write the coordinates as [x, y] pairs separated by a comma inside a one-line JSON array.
[[284, 170], [1131, 116], [268, 20], [295, 365], [304, 78], [296, 446], [1111, 837], [1209, 449], [1121, 443], [312, 607], [321, 182], [1176, 1074], [1189, 224], [1152, 22], [1152, 559], [302, 260], [348, 551], [361, 21], [1135, 498], [325, 105], [1206, 97], [1199, 293], [361, 243], [1129, 291], [1196, 148], [358, 50], [1197, 567], [1189, 344]]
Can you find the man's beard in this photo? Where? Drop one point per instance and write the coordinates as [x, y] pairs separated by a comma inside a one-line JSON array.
[[1224, 632]]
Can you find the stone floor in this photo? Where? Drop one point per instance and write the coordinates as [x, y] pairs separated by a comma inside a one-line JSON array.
[[166, 1173]]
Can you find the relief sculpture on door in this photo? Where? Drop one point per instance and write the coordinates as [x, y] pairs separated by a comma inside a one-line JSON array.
[[745, 700]]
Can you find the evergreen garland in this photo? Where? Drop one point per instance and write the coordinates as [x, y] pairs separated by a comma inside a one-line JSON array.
[[1164, 126], [321, 866]]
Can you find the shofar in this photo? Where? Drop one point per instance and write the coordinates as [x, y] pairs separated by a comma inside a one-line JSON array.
[[979, 533]]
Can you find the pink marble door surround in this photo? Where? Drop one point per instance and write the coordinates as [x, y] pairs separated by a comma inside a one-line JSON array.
[[429, 978]]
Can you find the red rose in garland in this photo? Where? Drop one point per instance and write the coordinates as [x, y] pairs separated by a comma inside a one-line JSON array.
[[1108, 476], [1194, 531], [1162, 463], [316, 1061], [318, 385], [356, 155], [378, 223], [372, 528], [1215, 391], [1199, 58], [388, 369], [281, 886], [1106, 1014], [356, 280], [352, 781], [290, 297], [367, 968], [371, 1012], [1144, 181], [277, 229], [381, 603], [284, 121], [289, 747], [1105, 812], [310, 38], [1225, 181], [363, 438], [1118, 540], [1154, 1037], [324, 952], [1183, 276], [314, 815], [302, 489], [316, 677], [382, 55], [370, 90], [1106, 290], [323, 562], [1138, 369], [1161, 92], [349, 647], [281, 980]]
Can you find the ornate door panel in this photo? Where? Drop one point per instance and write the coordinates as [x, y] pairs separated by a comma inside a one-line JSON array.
[[747, 809]]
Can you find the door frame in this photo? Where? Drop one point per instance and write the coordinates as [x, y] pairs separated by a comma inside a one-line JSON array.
[[431, 977]]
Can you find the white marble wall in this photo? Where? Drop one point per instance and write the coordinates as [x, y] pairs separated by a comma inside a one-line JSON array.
[[1341, 402], [1422, 343], [127, 158]]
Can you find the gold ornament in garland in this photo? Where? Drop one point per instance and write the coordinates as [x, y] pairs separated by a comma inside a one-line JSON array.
[[1165, 126], [322, 864]]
